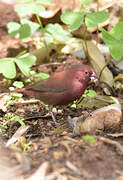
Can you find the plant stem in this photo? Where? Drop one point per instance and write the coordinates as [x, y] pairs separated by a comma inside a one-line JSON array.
[[42, 30], [98, 5], [85, 33], [104, 67], [40, 23], [21, 53], [97, 25]]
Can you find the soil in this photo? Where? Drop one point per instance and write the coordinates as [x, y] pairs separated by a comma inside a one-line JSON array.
[[69, 156]]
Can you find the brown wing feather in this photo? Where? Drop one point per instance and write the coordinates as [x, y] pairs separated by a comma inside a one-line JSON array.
[[53, 84]]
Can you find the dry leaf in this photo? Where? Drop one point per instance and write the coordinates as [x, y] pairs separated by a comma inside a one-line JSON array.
[[108, 117], [98, 62]]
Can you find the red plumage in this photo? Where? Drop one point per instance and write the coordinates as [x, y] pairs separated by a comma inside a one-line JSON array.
[[62, 87]]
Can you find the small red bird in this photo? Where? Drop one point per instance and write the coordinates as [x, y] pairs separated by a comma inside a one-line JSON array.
[[62, 87]]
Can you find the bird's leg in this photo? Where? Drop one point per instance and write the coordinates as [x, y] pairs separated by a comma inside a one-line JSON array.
[[52, 115]]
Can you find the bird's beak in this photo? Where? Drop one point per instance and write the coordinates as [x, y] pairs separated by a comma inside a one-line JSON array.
[[94, 78]]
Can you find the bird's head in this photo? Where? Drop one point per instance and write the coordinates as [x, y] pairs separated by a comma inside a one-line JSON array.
[[84, 73]]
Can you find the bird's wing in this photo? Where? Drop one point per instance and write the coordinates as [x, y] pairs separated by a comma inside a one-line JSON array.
[[52, 85]]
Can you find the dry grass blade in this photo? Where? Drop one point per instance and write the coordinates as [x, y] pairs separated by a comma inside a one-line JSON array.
[[21, 130], [118, 146]]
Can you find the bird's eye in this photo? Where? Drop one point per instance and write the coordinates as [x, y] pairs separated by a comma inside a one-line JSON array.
[[86, 72]]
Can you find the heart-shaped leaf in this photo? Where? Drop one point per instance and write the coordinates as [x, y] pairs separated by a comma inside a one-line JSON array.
[[24, 31], [7, 68], [57, 32], [25, 63], [74, 19], [33, 26], [93, 19], [117, 31], [115, 45], [30, 8], [13, 28], [18, 84]]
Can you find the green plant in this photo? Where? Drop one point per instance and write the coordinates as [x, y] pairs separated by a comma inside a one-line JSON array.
[[75, 19], [90, 93], [31, 6], [39, 76], [25, 28], [90, 19], [3, 129], [8, 65], [84, 17], [89, 138], [114, 40], [10, 118], [18, 84], [57, 32], [27, 147], [73, 105], [12, 98]]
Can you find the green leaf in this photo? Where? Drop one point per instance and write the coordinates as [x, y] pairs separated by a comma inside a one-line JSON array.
[[85, 1], [54, 110], [30, 8], [21, 53], [74, 19], [13, 28], [57, 32], [91, 93], [40, 76], [27, 147], [93, 19], [85, 10], [73, 105], [25, 63], [17, 118], [45, 2], [89, 138], [7, 67], [25, 1], [115, 46], [117, 31], [18, 84], [16, 95], [24, 31], [7, 116], [3, 126], [10, 103], [33, 26]]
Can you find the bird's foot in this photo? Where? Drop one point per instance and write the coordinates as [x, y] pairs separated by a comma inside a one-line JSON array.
[[53, 118]]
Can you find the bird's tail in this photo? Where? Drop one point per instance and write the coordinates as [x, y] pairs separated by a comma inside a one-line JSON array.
[[23, 90]]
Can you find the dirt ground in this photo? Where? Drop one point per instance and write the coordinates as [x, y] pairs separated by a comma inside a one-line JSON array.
[[66, 156]]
